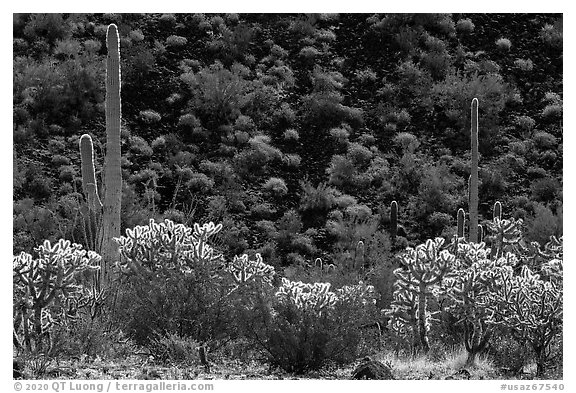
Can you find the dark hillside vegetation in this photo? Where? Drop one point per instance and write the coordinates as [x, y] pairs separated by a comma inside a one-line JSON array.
[[295, 132]]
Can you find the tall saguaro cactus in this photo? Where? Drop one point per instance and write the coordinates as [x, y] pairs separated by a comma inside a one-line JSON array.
[[474, 174], [110, 209], [112, 172]]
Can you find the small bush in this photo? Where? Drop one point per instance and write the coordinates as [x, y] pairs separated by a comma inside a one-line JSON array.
[[309, 52], [545, 190], [526, 123], [524, 65], [291, 134], [276, 186], [545, 140], [340, 134], [408, 142], [309, 325], [176, 41], [465, 26], [503, 44], [173, 281], [552, 110], [508, 354], [150, 116]]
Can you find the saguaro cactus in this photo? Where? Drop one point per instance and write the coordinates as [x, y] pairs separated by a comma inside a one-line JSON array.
[[359, 260], [110, 209], [497, 211], [112, 173], [393, 220], [474, 174], [461, 218]]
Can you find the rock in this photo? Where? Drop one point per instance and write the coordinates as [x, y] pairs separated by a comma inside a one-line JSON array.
[[372, 369]]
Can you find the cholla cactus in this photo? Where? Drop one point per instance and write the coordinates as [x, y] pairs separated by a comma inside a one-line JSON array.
[[403, 314], [425, 266], [167, 245], [243, 270], [315, 297], [360, 293], [43, 286], [468, 286], [531, 307]]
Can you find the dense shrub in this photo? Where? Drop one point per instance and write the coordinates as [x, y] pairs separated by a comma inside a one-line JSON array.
[[311, 325], [168, 284]]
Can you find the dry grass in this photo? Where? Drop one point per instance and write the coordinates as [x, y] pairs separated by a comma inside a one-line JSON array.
[[420, 367]]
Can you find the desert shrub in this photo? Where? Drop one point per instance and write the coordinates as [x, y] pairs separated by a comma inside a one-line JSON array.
[[171, 281], [509, 354], [524, 65], [526, 123], [275, 186], [543, 225], [503, 44], [308, 325], [552, 111], [464, 26], [552, 34], [176, 41], [319, 198], [174, 349], [544, 140], [545, 189], [291, 134], [150, 116]]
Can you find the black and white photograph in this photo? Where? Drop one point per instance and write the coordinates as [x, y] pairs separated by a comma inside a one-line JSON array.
[[200, 197]]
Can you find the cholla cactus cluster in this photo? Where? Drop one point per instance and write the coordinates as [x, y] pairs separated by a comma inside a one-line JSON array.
[[315, 297], [167, 245], [532, 307], [243, 269], [506, 234], [469, 286], [425, 265], [361, 292], [424, 268], [44, 285]]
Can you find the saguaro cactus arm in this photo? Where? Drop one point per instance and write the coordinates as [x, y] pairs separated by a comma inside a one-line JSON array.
[[474, 174], [89, 184], [461, 218]]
